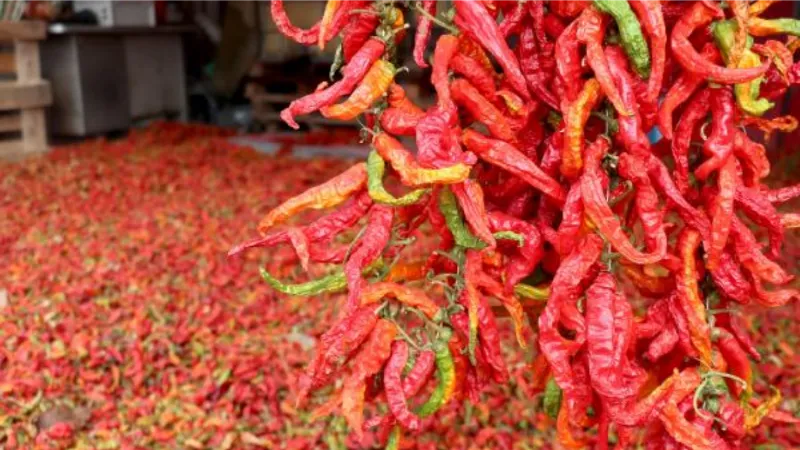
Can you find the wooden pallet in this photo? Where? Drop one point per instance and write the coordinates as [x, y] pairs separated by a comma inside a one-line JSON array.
[[23, 94]]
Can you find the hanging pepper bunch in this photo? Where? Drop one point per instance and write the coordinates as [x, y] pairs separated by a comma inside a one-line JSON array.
[[537, 170]]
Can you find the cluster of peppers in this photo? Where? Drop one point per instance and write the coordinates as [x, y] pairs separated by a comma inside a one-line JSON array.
[[535, 171]]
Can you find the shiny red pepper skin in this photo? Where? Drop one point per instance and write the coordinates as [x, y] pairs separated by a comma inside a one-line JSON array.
[[719, 145], [475, 73], [367, 249]]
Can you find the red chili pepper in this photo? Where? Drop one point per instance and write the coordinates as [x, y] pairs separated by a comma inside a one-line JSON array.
[[575, 120], [424, 27], [366, 250], [553, 26], [284, 25], [749, 254], [513, 19], [568, 63], [664, 343], [531, 59], [446, 48], [695, 112], [736, 359], [605, 348], [368, 362], [398, 122], [475, 73], [721, 212], [568, 8], [784, 194], [571, 221], [335, 344], [730, 280], [563, 291], [681, 90], [756, 205], [397, 98], [530, 252], [700, 15], [352, 74], [489, 336], [470, 198], [474, 20], [358, 31], [509, 158], [646, 203], [410, 172], [480, 108], [597, 210], [652, 18], [631, 129], [591, 31], [719, 145], [393, 385]]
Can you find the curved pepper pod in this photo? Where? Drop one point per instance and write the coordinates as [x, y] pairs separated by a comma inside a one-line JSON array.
[[376, 167], [284, 25], [367, 249], [409, 171], [652, 18], [367, 363], [598, 211], [689, 298], [408, 296], [327, 195], [475, 20], [423, 33], [575, 121], [352, 74], [591, 31], [507, 157], [698, 16], [375, 83]]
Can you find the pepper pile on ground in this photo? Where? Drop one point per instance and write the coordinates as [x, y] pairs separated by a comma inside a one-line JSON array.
[[535, 171]]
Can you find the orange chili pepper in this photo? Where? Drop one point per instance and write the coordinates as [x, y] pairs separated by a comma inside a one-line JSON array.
[[326, 195], [372, 87], [575, 121], [327, 19], [689, 295]]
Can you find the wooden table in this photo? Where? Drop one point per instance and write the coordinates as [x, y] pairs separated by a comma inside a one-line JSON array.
[[105, 78]]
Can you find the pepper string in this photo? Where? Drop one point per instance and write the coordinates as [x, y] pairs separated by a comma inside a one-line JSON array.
[[618, 260]]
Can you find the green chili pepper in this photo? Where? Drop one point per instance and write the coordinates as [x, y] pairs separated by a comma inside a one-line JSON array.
[[445, 374], [510, 236], [767, 27], [552, 398], [535, 293], [747, 94], [376, 167], [334, 282], [455, 221], [630, 32]]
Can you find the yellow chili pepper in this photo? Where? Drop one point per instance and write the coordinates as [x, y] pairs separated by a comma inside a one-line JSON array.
[[406, 166], [375, 83], [327, 195]]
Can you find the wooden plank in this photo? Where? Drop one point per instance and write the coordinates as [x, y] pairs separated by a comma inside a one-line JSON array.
[[15, 95], [34, 130], [27, 30], [27, 61], [10, 122], [7, 62]]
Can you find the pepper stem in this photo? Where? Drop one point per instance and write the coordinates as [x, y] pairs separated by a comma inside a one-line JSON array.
[[436, 20]]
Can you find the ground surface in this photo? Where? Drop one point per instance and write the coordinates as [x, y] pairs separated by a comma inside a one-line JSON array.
[[122, 324]]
